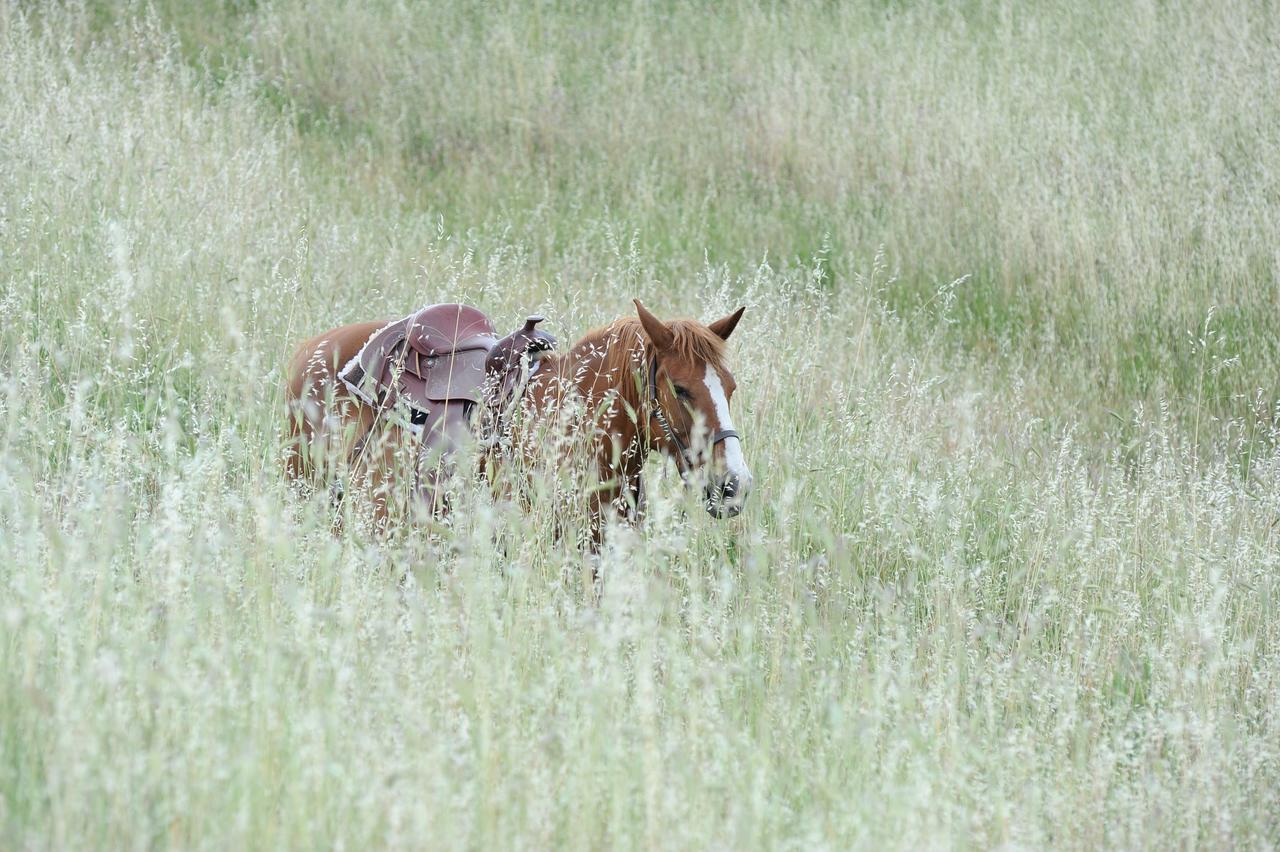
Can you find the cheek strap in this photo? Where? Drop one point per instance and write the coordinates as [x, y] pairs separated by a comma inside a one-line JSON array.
[[682, 452]]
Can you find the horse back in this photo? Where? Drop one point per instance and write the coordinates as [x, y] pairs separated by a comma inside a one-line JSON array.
[[319, 359]]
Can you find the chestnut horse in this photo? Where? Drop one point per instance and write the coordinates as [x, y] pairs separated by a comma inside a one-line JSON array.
[[643, 384]]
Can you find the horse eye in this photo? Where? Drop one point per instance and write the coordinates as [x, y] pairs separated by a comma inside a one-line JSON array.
[[681, 392]]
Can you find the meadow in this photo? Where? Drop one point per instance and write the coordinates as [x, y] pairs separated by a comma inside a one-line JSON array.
[[1006, 381]]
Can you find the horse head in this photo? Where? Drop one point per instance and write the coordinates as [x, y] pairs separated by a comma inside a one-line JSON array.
[[688, 392]]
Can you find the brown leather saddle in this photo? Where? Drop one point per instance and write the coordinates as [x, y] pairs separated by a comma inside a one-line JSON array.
[[443, 367]]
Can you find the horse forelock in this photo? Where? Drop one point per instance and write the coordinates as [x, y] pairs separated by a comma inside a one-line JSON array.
[[695, 342]]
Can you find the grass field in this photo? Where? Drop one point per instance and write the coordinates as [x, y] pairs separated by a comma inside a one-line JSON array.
[[1007, 381]]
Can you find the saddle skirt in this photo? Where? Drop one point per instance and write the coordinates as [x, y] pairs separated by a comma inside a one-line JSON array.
[[425, 360]]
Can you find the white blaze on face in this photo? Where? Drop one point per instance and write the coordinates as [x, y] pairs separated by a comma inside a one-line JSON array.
[[733, 459]]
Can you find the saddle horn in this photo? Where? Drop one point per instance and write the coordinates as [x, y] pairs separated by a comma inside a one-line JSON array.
[[526, 342]]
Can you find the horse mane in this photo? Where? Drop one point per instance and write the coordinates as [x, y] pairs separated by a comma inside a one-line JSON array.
[[606, 357], [692, 341]]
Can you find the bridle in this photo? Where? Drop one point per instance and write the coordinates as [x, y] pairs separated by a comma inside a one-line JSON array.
[[683, 461]]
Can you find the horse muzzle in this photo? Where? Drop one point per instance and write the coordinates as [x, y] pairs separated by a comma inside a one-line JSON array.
[[726, 495]]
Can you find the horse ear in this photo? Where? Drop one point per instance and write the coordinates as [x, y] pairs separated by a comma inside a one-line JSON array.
[[657, 331], [725, 325]]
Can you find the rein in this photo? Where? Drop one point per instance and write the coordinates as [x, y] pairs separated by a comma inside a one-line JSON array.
[[683, 462]]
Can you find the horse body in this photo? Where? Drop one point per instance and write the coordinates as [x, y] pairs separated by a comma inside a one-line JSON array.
[[635, 386]]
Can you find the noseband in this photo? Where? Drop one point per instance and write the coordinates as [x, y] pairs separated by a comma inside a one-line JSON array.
[[683, 462]]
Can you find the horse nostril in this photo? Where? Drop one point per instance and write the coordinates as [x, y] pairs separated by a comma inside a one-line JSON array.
[[724, 490], [729, 488], [721, 497]]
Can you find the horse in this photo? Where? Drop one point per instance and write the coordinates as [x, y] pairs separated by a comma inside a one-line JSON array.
[[642, 385]]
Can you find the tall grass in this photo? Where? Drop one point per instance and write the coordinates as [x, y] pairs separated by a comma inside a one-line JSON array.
[[1005, 383]]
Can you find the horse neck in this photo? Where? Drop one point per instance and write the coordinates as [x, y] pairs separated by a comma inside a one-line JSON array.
[[601, 368]]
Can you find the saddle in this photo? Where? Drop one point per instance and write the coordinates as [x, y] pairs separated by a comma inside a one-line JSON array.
[[442, 366]]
